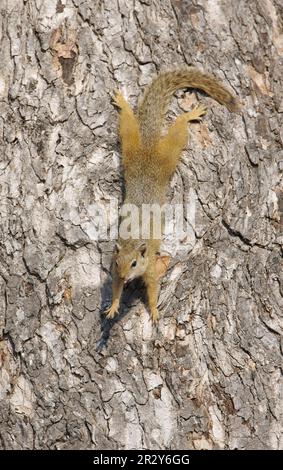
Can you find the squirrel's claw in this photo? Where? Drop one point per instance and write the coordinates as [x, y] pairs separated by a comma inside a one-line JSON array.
[[201, 109], [112, 311], [197, 113], [154, 316], [118, 99]]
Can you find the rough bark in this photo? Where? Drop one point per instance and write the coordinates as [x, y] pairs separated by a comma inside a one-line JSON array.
[[210, 376]]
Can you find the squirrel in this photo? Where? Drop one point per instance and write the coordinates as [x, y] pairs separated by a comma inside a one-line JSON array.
[[149, 159]]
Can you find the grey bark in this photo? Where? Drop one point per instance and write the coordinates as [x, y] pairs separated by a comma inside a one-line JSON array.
[[210, 375]]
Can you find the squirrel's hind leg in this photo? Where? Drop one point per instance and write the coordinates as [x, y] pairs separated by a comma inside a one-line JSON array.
[[128, 128], [170, 147], [196, 114]]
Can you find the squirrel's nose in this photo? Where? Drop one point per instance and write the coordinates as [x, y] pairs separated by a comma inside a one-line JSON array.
[[121, 274]]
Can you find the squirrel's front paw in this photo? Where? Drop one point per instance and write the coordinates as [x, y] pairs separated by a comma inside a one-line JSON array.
[[154, 315], [112, 311]]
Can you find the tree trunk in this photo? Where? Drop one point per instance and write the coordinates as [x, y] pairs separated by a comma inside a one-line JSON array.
[[210, 375]]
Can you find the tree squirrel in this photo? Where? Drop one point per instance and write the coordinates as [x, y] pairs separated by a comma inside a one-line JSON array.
[[149, 160]]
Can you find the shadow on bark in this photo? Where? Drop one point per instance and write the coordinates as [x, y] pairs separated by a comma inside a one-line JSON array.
[[131, 293]]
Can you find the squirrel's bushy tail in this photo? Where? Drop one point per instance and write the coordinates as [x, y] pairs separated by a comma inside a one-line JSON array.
[[156, 98]]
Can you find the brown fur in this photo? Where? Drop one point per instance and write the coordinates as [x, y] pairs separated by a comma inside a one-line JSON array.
[[149, 160]]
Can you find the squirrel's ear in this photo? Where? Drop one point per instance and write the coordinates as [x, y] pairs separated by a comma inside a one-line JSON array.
[[118, 247], [142, 249], [162, 263]]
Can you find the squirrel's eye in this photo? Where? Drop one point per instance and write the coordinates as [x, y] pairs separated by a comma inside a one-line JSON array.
[[134, 263]]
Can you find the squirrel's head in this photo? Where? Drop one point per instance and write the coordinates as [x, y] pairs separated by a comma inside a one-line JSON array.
[[131, 259]]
